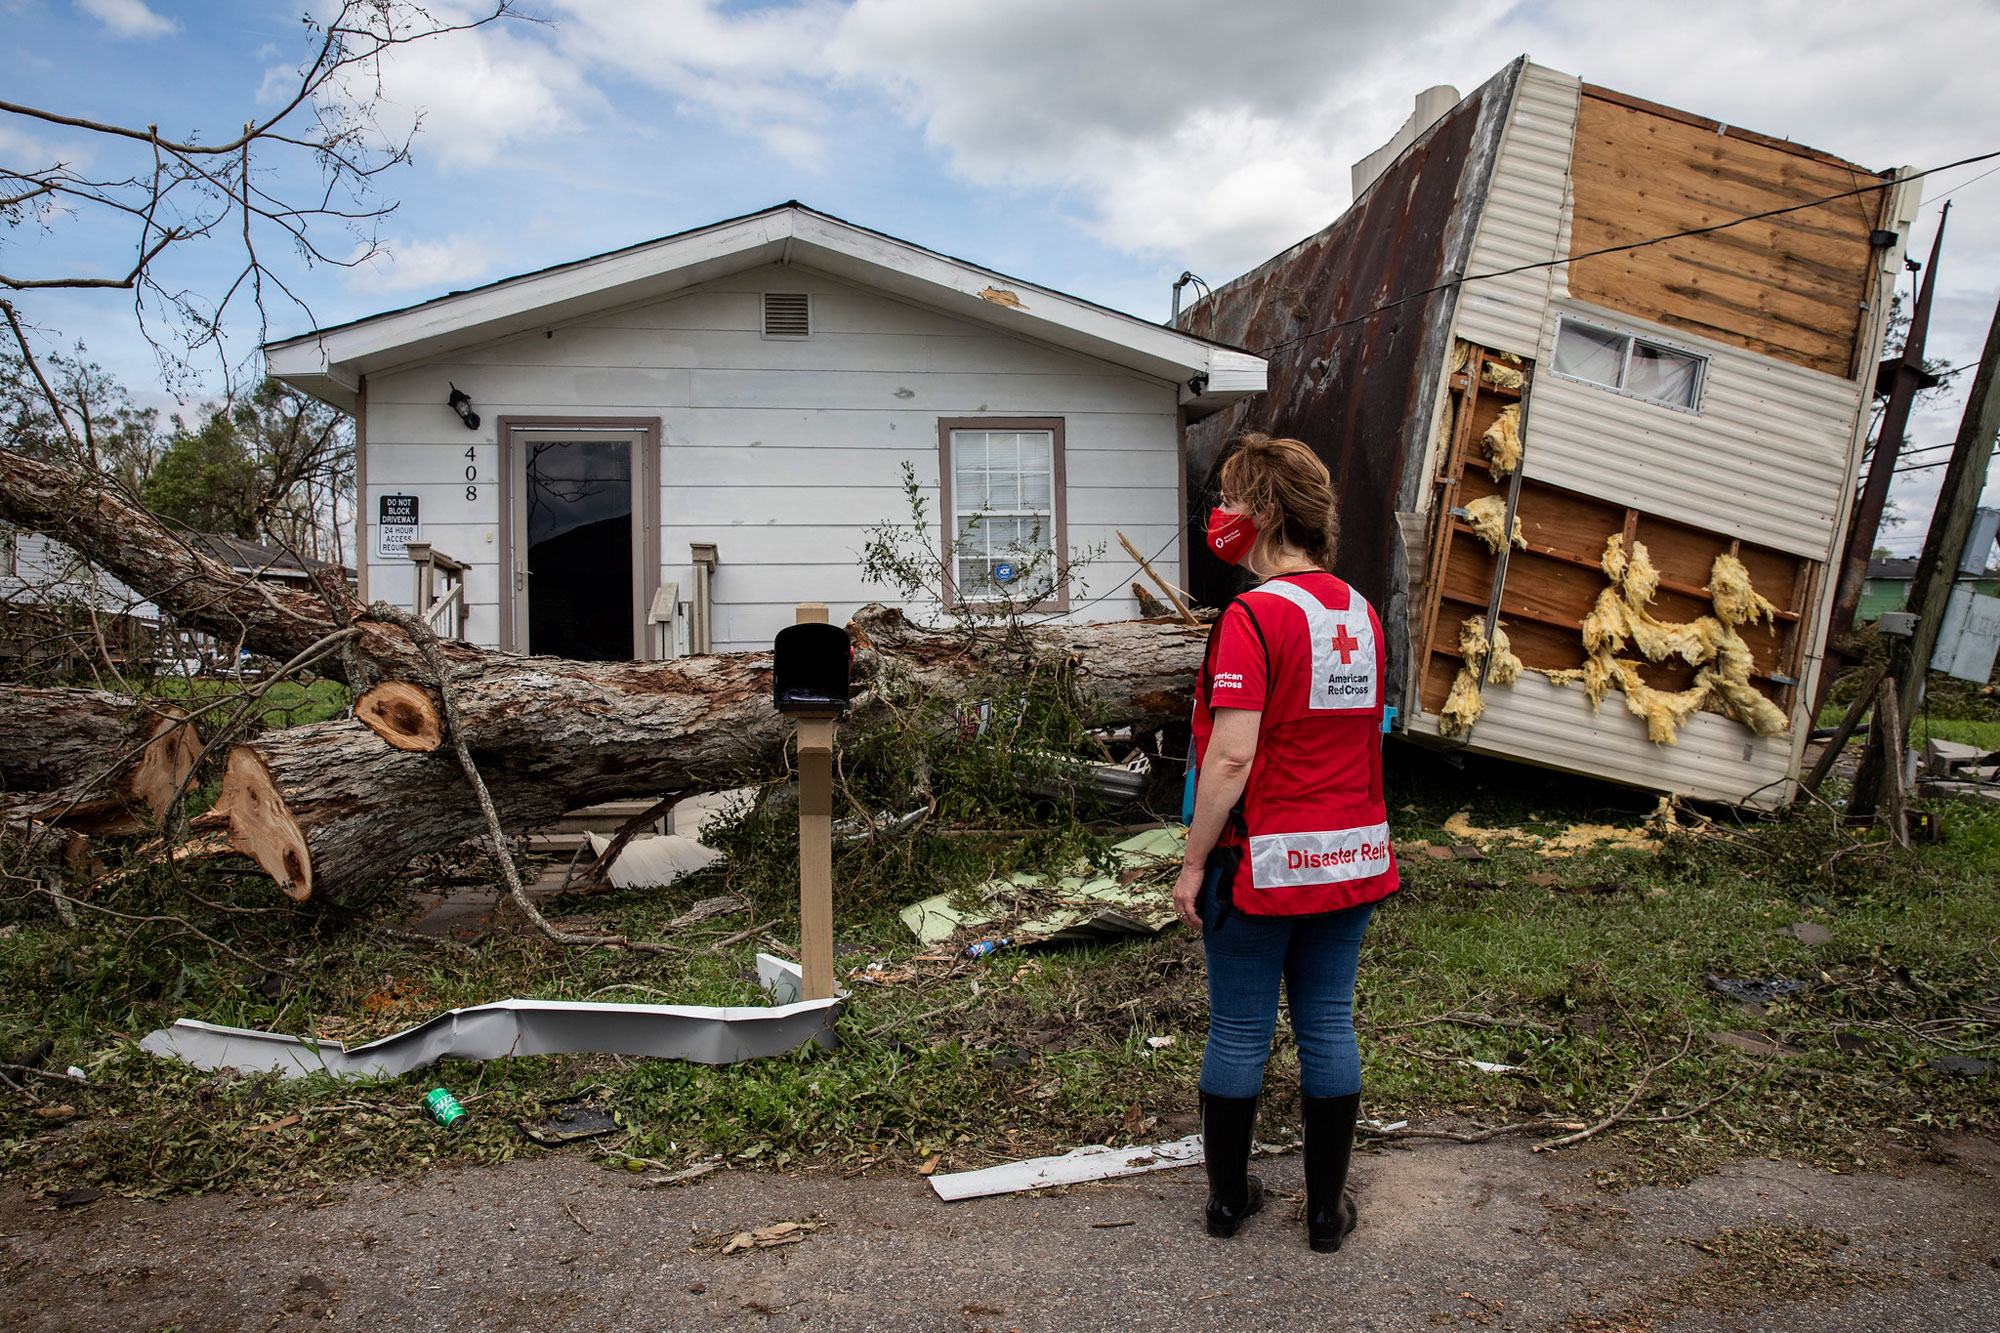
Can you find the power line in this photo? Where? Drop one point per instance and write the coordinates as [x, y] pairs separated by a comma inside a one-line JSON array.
[[1621, 249], [1926, 467], [1960, 186]]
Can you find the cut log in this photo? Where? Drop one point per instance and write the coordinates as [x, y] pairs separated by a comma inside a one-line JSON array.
[[330, 808], [89, 760], [327, 809], [403, 714]]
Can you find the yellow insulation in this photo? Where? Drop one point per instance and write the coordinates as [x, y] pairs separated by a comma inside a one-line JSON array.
[[1620, 618], [1736, 602], [1464, 704], [1503, 377], [1503, 439], [1506, 668], [1488, 518]]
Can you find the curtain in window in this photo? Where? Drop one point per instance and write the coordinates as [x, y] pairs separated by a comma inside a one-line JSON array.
[[1003, 498], [1662, 375], [1588, 354]]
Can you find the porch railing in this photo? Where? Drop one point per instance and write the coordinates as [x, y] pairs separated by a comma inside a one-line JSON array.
[[432, 567]]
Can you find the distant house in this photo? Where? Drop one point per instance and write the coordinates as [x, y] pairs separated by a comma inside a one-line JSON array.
[[264, 562], [1888, 587], [662, 449], [1528, 309], [55, 605]]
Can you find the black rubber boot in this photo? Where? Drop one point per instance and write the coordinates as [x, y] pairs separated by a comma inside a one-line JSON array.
[[1329, 1143], [1227, 1126]]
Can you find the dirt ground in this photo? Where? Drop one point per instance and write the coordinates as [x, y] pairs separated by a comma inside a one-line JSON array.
[[1451, 1236]]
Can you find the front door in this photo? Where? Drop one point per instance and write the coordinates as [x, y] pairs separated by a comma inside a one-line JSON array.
[[578, 535]]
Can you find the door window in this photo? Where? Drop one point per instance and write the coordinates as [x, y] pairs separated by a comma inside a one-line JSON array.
[[578, 495]]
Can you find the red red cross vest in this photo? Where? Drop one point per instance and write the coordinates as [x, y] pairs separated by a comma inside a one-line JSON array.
[[1305, 650]]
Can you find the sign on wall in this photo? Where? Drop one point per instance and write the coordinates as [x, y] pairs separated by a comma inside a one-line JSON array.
[[396, 526]]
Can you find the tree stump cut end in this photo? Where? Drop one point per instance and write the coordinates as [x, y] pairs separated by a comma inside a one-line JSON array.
[[165, 763], [404, 715], [261, 827]]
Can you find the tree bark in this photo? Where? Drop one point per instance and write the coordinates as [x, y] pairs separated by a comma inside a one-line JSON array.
[[329, 808], [90, 760]]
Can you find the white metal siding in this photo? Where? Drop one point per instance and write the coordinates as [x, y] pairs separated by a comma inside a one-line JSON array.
[[1524, 218], [782, 453], [1765, 458], [1716, 759], [1769, 457]]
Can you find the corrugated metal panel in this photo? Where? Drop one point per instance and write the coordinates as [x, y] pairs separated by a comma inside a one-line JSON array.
[[1355, 364], [1766, 458], [1544, 723], [1524, 220]]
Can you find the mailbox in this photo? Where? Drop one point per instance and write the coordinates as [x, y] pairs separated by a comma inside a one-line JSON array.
[[809, 669]]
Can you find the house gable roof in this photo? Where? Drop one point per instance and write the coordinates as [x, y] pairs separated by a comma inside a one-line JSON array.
[[330, 363]]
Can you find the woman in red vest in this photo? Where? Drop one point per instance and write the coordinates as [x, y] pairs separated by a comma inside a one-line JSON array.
[[1288, 849]]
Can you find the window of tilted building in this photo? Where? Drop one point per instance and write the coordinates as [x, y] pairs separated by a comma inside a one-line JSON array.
[[1005, 494], [1634, 366]]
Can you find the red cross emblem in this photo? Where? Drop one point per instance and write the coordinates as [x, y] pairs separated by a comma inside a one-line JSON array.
[[1344, 644]]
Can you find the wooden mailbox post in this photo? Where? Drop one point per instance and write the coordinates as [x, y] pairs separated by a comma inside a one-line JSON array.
[[809, 673]]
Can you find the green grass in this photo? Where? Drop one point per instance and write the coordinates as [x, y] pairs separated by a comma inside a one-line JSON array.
[[286, 703], [1592, 976]]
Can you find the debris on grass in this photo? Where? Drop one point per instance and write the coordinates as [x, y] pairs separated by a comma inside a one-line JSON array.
[[653, 862], [1041, 909], [1756, 990], [1091, 1162], [705, 1034], [569, 1124], [1572, 841]]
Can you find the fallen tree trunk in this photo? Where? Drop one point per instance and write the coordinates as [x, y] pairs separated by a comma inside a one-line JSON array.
[[327, 809], [90, 760]]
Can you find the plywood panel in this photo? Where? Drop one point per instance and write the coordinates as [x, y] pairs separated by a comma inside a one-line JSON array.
[[1791, 287]]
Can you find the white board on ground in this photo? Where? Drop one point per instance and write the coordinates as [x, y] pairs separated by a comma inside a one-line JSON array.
[[654, 862], [1093, 1162]]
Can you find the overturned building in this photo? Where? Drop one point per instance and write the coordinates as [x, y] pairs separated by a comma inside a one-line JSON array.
[[1577, 430]]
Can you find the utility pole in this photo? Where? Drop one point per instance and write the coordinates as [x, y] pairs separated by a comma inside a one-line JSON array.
[[1937, 569], [1906, 379]]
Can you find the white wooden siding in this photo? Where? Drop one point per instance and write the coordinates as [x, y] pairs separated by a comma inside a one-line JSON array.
[[782, 453]]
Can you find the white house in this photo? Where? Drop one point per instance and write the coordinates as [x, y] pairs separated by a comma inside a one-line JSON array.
[[677, 442]]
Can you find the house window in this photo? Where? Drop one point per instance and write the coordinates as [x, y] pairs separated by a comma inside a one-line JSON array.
[[1634, 366], [1003, 505]]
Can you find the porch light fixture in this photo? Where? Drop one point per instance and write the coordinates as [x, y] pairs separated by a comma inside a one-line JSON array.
[[461, 403]]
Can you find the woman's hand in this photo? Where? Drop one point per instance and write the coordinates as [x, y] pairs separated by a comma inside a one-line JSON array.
[[1187, 889]]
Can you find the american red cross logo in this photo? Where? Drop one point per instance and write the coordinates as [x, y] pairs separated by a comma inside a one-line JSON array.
[[1344, 644]]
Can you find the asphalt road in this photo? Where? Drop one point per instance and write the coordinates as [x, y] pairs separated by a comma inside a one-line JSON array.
[[1451, 1236]]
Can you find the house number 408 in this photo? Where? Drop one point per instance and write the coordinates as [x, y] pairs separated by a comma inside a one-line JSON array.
[[471, 475]]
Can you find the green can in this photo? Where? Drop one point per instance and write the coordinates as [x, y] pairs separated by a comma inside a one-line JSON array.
[[444, 1107]]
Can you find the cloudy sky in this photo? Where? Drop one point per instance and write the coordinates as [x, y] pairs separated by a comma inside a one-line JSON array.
[[1100, 147]]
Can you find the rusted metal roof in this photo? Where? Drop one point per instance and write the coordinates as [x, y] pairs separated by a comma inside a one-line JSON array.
[[1352, 379]]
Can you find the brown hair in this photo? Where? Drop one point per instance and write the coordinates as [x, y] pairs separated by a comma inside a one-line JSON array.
[[1287, 490]]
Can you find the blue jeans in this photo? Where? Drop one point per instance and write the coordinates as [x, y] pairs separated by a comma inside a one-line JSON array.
[[1316, 956]]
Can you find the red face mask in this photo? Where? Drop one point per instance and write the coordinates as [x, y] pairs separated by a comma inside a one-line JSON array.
[[1230, 536]]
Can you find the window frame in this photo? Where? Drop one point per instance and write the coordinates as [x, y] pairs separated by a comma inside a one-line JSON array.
[[1632, 340], [1058, 602]]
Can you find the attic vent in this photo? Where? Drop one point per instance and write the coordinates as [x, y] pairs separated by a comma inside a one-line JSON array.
[[787, 315]]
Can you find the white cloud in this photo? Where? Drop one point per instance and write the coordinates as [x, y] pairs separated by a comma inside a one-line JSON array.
[[428, 268], [758, 72], [129, 18], [471, 95]]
